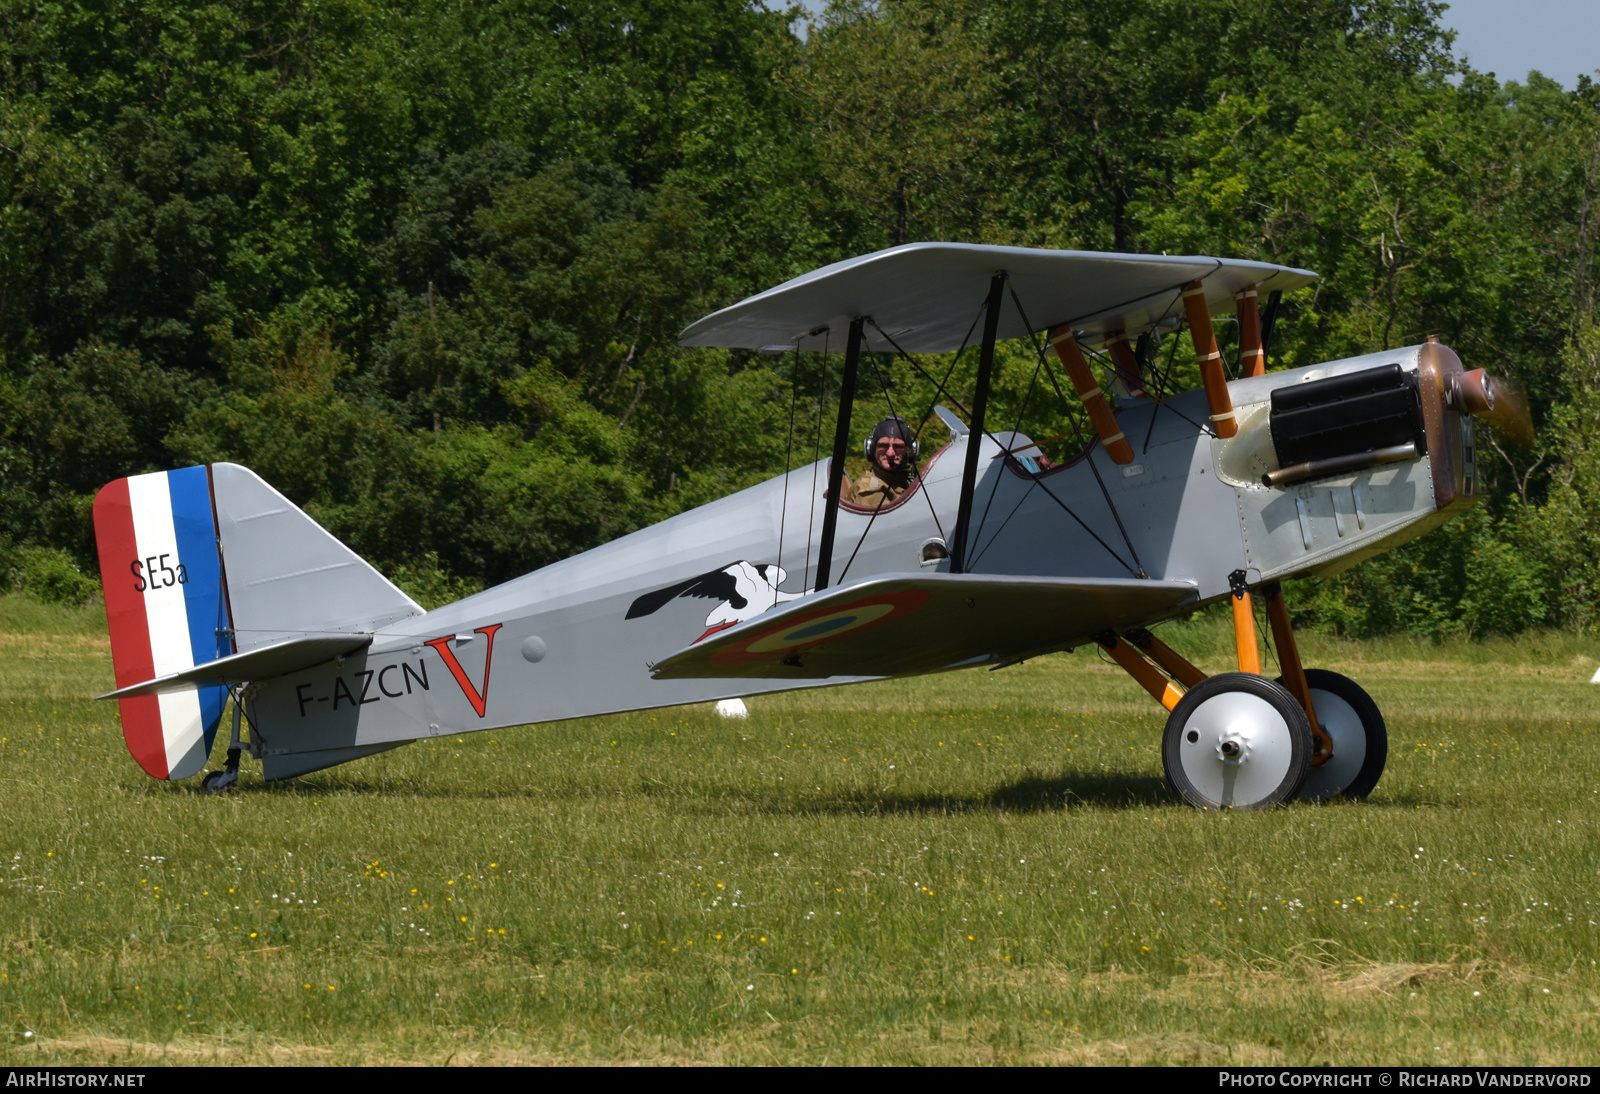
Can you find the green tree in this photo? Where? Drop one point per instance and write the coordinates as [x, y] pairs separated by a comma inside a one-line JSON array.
[[72, 425], [900, 100], [1566, 530], [294, 410]]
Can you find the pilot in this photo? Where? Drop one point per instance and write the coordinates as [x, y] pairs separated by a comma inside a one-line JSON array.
[[890, 451]]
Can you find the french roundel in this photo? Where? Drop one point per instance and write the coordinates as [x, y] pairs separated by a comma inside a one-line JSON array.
[[813, 629]]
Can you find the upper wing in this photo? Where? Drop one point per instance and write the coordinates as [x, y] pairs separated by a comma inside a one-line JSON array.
[[904, 624], [925, 296]]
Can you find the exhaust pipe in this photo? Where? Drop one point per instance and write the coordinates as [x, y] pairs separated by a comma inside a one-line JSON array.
[[1336, 465]]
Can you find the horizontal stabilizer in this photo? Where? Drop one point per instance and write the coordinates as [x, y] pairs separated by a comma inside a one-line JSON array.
[[258, 664], [906, 624]]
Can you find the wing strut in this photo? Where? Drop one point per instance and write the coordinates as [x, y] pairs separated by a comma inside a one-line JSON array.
[[1268, 323], [1223, 418], [1112, 439], [1137, 569], [841, 446], [980, 403], [1252, 357], [1126, 364]]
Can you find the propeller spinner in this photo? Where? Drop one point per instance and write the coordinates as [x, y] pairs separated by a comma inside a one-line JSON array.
[[1500, 402]]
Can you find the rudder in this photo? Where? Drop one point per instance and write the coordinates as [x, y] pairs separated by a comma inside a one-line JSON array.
[[166, 610]]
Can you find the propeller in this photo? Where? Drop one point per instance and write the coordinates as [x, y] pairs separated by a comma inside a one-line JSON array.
[[1500, 402], [1509, 413]]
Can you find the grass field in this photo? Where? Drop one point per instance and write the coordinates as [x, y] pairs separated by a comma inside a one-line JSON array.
[[978, 867]]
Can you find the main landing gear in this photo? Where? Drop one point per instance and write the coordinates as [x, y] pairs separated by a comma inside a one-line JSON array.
[[1237, 741], [1240, 741], [1360, 739]]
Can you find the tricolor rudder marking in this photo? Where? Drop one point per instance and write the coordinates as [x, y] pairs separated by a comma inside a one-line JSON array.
[[165, 608]]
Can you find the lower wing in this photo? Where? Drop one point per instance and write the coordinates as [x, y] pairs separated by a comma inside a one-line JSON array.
[[906, 624]]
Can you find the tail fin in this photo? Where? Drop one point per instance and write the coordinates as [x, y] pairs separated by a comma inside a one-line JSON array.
[[286, 576], [166, 610], [205, 562]]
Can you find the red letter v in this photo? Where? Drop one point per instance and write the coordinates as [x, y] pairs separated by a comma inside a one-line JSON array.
[[479, 701]]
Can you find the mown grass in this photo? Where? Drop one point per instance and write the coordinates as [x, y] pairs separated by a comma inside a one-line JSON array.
[[967, 868]]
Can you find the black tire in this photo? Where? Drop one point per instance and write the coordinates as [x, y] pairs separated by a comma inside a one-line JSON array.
[[1357, 785], [1207, 722], [219, 782]]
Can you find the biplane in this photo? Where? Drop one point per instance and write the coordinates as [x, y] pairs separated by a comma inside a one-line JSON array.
[[217, 585]]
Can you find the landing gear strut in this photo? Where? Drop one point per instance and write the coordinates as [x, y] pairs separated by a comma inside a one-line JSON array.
[[220, 782], [1352, 741]]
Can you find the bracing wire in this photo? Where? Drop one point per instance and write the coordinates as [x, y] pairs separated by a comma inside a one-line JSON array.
[[1268, 639], [816, 455], [863, 538], [1138, 567], [916, 468], [939, 385], [1006, 454], [1159, 396], [996, 536], [788, 455], [916, 473], [1048, 492], [939, 390], [1067, 509]]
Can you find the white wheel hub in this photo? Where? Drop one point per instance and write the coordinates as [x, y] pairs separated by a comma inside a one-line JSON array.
[[1236, 749], [1233, 747], [1341, 722]]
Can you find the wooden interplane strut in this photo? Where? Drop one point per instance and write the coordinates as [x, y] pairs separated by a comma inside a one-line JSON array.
[[1252, 355], [1210, 361], [1094, 399]]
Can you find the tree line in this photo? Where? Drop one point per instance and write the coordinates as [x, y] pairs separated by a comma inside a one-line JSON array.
[[422, 264]]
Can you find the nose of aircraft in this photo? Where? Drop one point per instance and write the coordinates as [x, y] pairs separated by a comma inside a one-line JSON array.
[[1500, 402], [1473, 391], [1506, 409]]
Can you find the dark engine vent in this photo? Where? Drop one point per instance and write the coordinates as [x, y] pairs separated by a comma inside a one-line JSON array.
[[1344, 415]]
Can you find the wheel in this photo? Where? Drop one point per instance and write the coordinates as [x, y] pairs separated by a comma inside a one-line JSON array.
[[1360, 739], [219, 782], [1236, 741]]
